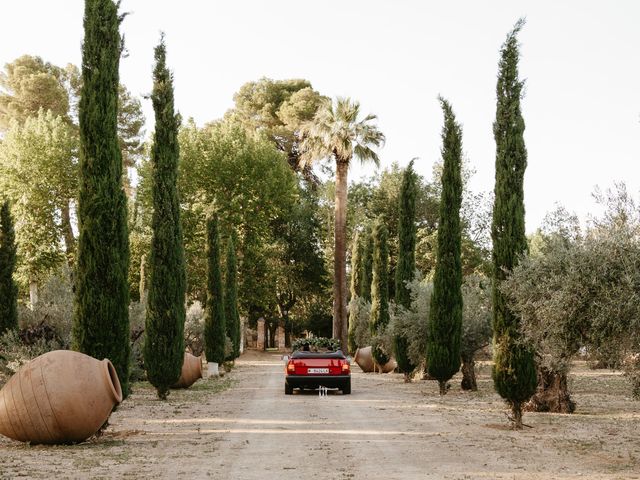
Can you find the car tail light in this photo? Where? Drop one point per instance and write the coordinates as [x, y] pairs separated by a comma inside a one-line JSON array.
[[346, 368], [291, 368]]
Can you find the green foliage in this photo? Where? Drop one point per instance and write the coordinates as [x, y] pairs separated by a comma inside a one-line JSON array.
[[194, 328], [248, 180], [357, 254], [8, 288], [360, 313], [39, 173], [214, 326], [316, 344], [405, 269], [581, 291], [30, 84], [101, 321], [380, 289], [356, 277], [476, 316], [277, 109], [318, 318], [514, 370], [164, 344], [413, 323], [232, 316], [445, 321], [366, 271], [130, 127]]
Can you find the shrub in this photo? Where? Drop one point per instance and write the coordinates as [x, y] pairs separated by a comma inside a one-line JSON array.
[[194, 329]]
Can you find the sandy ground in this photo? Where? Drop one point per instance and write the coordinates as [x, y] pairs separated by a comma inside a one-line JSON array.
[[244, 427]]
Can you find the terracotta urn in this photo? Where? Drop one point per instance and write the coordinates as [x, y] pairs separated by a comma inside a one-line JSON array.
[[191, 371], [364, 359], [59, 397]]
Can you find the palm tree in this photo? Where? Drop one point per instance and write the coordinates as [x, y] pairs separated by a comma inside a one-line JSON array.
[[336, 132]]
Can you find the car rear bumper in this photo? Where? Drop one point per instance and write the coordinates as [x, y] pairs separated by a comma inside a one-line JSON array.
[[314, 381]]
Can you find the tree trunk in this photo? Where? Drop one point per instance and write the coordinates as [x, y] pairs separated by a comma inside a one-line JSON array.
[[142, 286], [340, 254], [469, 374], [69, 239], [33, 293], [552, 394], [443, 387], [516, 412]]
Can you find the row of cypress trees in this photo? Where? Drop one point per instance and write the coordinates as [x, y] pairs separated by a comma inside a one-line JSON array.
[[514, 370], [222, 319], [101, 322]]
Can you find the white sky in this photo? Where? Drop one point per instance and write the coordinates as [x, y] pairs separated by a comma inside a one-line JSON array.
[[580, 59]]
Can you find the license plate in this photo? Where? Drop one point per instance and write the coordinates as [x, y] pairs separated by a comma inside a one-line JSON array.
[[318, 370]]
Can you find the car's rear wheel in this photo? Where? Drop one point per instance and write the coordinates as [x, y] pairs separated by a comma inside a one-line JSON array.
[[288, 389], [346, 387]]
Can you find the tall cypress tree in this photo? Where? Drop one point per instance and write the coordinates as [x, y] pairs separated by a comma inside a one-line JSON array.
[[406, 260], [366, 270], [356, 265], [231, 299], [356, 278], [214, 325], [101, 317], [514, 372], [8, 288], [445, 316], [164, 343], [379, 317]]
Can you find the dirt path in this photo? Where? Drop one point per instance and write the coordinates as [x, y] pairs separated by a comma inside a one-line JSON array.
[[244, 427]]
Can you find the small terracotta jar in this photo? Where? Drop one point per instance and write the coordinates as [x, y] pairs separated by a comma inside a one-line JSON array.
[[191, 371], [364, 359], [59, 397]]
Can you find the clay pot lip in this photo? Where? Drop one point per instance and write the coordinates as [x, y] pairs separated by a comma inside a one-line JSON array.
[[112, 380]]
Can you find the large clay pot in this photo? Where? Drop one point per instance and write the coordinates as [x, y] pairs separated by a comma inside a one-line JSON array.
[[364, 359], [191, 371], [59, 397]]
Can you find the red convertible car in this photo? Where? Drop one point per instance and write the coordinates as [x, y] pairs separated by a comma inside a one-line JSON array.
[[314, 369]]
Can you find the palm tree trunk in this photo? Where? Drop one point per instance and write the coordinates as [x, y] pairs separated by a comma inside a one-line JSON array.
[[340, 255]]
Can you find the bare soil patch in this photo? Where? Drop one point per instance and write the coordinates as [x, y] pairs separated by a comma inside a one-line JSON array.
[[242, 426]]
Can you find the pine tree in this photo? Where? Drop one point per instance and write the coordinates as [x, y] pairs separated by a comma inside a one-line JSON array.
[[214, 326], [445, 316], [8, 288], [406, 261], [231, 300], [356, 277], [366, 271], [164, 343], [101, 317], [514, 372], [379, 318]]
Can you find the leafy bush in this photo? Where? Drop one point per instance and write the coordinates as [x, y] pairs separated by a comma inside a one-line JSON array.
[[476, 316], [360, 311], [52, 316], [194, 329], [14, 352], [413, 324], [137, 314]]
